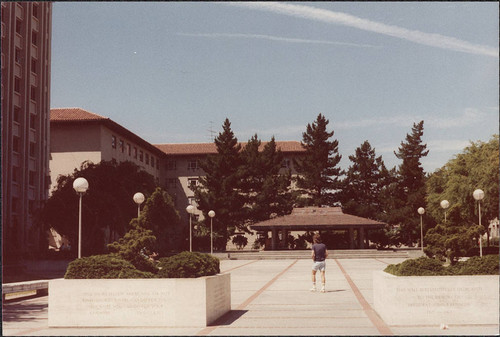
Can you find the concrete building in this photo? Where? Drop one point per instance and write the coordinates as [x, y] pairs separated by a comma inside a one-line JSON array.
[[78, 135], [25, 58]]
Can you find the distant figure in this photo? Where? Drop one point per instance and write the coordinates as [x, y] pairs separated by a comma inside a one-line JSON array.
[[319, 255], [145, 254]]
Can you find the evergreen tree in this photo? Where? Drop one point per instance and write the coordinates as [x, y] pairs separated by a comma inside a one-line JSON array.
[[409, 194], [365, 180], [218, 189], [318, 178], [265, 187]]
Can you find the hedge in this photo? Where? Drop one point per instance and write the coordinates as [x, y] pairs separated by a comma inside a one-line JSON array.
[[424, 266], [103, 267], [188, 265]]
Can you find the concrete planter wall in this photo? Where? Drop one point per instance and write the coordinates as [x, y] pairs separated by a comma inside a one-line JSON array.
[[407, 300], [139, 302]]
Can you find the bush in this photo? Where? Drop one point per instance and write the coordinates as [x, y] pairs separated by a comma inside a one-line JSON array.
[[188, 265], [103, 267], [486, 265], [240, 241], [424, 266]]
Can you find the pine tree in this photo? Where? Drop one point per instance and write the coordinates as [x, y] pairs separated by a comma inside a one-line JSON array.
[[218, 189], [365, 180], [318, 178], [265, 187], [410, 191]]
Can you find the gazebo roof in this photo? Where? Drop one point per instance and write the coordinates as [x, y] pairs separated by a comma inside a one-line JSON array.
[[317, 218]]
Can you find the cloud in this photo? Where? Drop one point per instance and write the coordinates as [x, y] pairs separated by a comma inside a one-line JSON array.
[[323, 15], [275, 38], [469, 116]]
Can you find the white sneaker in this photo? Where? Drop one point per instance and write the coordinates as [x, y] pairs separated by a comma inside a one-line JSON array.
[[313, 289], [323, 290]]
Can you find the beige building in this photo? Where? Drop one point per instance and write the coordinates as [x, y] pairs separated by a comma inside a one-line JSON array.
[[78, 135], [25, 58]]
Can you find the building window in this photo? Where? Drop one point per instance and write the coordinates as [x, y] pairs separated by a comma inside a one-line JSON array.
[[129, 149], [192, 183], [35, 10], [31, 178], [122, 146], [15, 144], [157, 164], [171, 183], [17, 55], [152, 161], [147, 158], [32, 149], [19, 26], [141, 156], [286, 163], [17, 85], [171, 165], [17, 114], [34, 38], [15, 174], [135, 152], [192, 165], [33, 93], [32, 121], [34, 64], [113, 142]]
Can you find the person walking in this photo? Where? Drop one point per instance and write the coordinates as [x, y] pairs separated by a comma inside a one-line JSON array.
[[319, 255]]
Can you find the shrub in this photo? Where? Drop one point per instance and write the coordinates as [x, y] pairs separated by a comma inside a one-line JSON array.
[[240, 241], [188, 265], [423, 266], [486, 265], [103, 267]]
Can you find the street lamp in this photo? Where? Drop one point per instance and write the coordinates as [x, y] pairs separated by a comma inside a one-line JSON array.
[[80, 185], [190, 210], [211, 214], [445, 204], [139, 199], [421, 211], [479, 195]]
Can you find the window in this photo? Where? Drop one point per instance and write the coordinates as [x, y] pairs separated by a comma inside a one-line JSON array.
[[129, 149], [19, 26], [32, 149], [17, 114], [192, 183], [122, 146], [171, 183], [15, 173], [16, 144], [34, 64], [171, 165], [113, 142], [152, 161], [135, 152], [17, 55], [141, 156], [31, 177], [33, 93], [17, 85], [147, 158], [285, 163], [34, 38], [157, 164], [35, 11], [192, 165], [32, 121]]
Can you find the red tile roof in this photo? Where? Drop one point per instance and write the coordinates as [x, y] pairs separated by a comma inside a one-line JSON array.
[[317, 218], [74, 114], [210, 148]]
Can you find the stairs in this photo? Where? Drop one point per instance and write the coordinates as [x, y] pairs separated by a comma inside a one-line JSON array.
[[306, 254]]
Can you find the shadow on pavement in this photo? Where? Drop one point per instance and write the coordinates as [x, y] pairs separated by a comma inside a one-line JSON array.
[[229, 318], [22, 311]]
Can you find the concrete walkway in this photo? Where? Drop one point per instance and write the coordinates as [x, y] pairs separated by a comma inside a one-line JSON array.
[[269, 297]]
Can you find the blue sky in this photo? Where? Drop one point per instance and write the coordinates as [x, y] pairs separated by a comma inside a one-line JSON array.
[[172, 71]]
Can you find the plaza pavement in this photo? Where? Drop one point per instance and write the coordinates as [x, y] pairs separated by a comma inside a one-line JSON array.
[[268, 297]]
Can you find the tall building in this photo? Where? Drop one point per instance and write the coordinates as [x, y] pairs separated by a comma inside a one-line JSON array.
[[26, 49]]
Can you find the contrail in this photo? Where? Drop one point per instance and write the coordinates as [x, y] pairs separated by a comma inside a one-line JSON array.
[[323, 15], [275, 38]]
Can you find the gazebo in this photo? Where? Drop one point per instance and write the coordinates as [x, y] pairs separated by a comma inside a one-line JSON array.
[[319, 219]]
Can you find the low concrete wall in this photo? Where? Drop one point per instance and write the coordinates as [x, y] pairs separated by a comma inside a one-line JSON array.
[[139, 302], [407, 300]]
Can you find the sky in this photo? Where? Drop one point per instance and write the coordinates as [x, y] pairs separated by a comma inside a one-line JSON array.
[[172, 72]]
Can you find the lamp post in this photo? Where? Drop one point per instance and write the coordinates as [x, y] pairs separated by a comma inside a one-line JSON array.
[[80, 185], [211, 214], [421, 211], [445, 204], [138, 199], [479, 195], [190, 210]]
